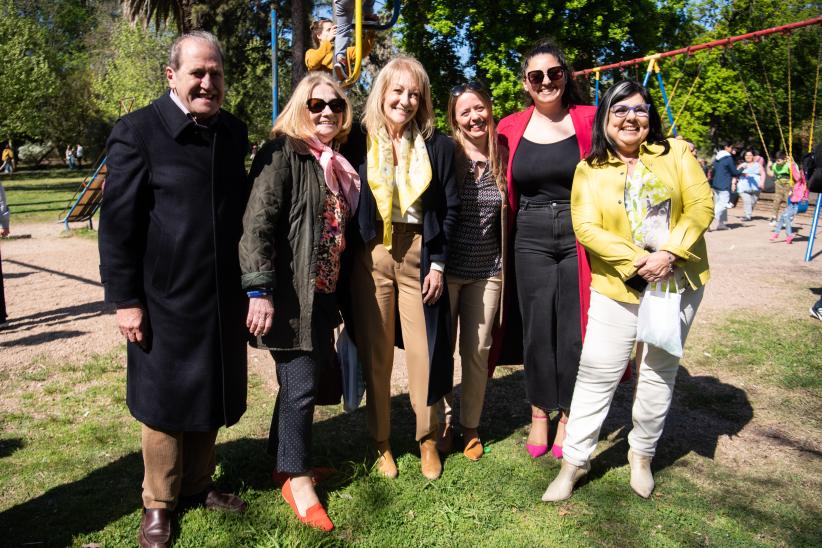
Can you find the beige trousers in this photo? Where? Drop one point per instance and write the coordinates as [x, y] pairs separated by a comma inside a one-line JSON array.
[[384, 282], [176, 464], [474, 306]]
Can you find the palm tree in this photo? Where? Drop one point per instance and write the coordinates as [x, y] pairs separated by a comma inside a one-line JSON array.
[[160, 11]]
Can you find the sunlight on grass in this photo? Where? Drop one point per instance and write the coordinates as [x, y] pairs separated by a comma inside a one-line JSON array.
[[67, 442]]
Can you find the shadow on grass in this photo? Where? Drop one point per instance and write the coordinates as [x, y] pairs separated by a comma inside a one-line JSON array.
[[9, 445], [704, 409]]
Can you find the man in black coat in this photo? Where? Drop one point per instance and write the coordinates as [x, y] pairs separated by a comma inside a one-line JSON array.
[[169, 229]]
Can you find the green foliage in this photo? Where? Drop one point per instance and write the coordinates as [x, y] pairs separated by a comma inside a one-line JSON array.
[[128, 65], [28, 72], [718, 109], [496, 35]]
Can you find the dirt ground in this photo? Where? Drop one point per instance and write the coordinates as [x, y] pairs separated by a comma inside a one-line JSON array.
[[56, 311]]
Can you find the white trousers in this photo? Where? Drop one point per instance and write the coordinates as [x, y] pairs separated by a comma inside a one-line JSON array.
[[609, 340]]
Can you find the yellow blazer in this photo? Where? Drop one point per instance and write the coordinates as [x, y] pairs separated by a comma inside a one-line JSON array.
[[602, 227]]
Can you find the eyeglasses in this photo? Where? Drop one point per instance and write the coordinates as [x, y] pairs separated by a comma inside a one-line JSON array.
[[621, 111], [536, 77], [473, 85], [316, 105]]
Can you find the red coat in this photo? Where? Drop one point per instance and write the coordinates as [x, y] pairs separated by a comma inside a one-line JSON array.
[[509, 132]]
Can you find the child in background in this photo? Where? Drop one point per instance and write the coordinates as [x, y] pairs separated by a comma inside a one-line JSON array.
[[321, 57], [344, 20], [748, 183], [798, 193]]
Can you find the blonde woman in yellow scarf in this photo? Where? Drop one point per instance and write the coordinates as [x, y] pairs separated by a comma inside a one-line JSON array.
[[399, 251]]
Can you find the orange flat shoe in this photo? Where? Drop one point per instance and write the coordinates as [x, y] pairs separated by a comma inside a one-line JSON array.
[[314, 517]]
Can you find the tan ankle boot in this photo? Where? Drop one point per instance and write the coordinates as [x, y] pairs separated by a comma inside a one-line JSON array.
[[642, 481], [385, 460], [429, 458], [563, 484], [473, 446]]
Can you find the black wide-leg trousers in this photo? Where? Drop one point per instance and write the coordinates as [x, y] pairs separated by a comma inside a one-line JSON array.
[[547, 274]]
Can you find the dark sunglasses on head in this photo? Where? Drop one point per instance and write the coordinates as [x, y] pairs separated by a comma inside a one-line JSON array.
[[535, 77], [473, 85], [621, 111], [316, 106]]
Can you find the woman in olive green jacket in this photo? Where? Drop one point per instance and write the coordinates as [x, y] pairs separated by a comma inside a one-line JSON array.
[[303, 195], [640, 206]]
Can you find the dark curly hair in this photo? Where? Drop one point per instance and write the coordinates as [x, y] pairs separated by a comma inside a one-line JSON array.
[[601, 145]]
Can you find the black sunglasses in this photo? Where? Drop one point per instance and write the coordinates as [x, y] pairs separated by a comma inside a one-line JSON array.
[[535, 77], [316, 106], [473, 85]]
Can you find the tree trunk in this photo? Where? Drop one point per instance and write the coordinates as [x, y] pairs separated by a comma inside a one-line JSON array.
[[301, 38], [185, 16]]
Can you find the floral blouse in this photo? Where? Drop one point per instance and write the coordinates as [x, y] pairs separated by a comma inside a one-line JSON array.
[[648, 205], [336, 213]]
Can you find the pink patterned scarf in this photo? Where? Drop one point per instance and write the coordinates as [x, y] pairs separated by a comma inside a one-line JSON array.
[[339, 173]]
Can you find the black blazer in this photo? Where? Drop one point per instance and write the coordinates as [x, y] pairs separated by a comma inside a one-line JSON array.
[[440, 204]]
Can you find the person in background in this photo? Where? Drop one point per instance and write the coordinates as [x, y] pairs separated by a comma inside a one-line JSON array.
[[780, 170], [5, 215], [8, 159], [71, 160], [799, 192], [344, 22], [722, 184], [475, 264], [290, 269], [545, 142], [321, 57], [79, 151], [640, 206], [748, 183], [399, 241], [170, 224]]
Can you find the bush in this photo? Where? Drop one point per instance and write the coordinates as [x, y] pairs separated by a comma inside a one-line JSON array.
[[33, 153]]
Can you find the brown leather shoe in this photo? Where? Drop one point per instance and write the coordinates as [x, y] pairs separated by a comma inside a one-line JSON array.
[[155, 528], [385, 460], [429, 458], [215, 500]]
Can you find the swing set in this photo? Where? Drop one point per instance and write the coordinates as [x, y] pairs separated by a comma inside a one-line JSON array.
[[653, 61]]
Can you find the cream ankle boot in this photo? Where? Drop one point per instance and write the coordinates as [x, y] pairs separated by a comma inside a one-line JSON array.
[[563, 484], [642, 481]]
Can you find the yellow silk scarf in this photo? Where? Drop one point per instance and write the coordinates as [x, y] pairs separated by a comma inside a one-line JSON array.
[[412, 160]]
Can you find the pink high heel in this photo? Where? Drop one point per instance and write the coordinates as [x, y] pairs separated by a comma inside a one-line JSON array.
[[556, 450], [536, 451]]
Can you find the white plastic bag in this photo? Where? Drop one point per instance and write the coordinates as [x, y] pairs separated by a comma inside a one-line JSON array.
[[658, 323], [352, 377]]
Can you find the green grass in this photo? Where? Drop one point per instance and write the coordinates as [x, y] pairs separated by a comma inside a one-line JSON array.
[[786, 355], [41, 195], [70, 468]]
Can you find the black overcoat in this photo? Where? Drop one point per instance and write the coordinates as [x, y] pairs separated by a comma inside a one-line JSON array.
[[440, 204], [170, 224]]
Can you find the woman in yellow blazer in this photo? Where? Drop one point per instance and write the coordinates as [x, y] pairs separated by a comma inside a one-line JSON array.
[[640, 205]]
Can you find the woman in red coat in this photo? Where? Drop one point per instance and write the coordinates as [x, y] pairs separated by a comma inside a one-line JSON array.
[[546, 141]]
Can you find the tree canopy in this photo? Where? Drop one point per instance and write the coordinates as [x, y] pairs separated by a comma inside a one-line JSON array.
[[67, 63]]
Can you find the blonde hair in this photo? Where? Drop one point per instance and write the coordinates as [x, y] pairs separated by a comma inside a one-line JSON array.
[[294, 120], [374, 116], [495, 162]]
